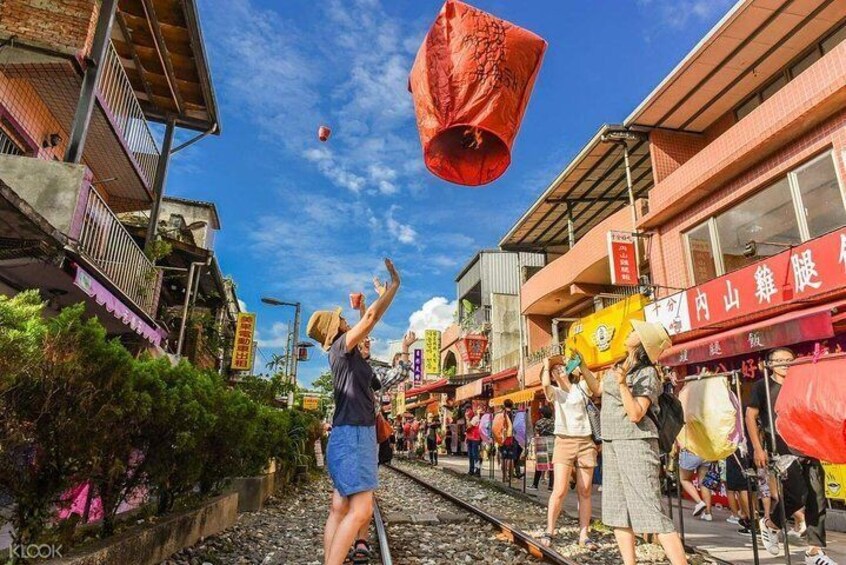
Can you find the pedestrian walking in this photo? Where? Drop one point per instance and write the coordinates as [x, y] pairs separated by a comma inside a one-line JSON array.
[[433, 438], [802, 478], [737, 489], [692, 466], [631, 488], [505, 439], [544, 443], [352, 453], [474, 442], [573, 450]]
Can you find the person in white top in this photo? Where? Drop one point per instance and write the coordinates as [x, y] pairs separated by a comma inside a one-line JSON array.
[[574, 448]]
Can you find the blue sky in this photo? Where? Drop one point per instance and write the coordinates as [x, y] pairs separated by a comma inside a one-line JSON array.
[[307, 221]]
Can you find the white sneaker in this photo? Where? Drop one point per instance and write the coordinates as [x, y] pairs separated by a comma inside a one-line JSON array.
[[797, 534], [733, 520], [819, 559], [769, 537], [700, 506], [706, 517]]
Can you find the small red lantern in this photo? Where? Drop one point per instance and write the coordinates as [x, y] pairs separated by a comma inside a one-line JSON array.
[[302, 353], [472, 348], [323, 133], [471, 82]]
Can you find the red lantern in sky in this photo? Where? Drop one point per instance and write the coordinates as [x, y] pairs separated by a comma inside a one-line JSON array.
[[471, 82], [323, 133]]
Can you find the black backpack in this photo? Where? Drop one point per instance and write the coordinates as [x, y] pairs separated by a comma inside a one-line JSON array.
[[669, 421]]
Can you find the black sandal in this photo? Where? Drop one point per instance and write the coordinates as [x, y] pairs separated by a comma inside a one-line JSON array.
[[361, 554]]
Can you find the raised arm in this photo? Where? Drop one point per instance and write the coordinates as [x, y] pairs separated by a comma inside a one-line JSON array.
[[546, 383], [374, 313], [593, 382]]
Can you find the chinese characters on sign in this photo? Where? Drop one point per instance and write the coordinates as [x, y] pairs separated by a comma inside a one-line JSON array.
[[433, 352], [418, 367], [671, 312], [311, 402], [621, 250], [242, 350], [808, 270]]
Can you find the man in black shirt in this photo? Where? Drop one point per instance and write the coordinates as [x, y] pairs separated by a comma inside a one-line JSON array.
[[802, 481]]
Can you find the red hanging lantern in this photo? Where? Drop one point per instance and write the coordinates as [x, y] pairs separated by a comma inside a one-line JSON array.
[[472, 348], [302, 353], [323, 133], [471, 82]]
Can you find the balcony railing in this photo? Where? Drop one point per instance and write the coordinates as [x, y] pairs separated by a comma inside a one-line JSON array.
[[119, 97], [106, 243]]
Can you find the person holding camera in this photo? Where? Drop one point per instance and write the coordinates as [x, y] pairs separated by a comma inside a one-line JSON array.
[[631, 486], [574, 448]]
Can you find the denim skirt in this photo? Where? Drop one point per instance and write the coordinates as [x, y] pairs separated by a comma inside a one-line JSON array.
[[352, 458]]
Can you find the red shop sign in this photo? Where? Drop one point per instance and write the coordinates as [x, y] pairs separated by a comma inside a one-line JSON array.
[[621, 250], [810, 327], [814, 268]]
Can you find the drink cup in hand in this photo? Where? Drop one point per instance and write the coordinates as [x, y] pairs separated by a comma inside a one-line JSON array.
[[355, 300]]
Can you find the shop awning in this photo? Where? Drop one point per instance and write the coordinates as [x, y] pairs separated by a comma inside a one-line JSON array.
[[89, 285], [794, 327], [525, 395], [502, 375], [442, 385], [420, 404]]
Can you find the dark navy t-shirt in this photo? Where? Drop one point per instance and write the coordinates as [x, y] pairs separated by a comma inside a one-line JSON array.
[[351, 379]]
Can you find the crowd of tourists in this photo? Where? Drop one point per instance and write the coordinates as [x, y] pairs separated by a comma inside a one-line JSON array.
[[609, 428]]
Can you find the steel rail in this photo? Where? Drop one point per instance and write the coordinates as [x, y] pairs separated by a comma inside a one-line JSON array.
[[513, 534], [381, 536]]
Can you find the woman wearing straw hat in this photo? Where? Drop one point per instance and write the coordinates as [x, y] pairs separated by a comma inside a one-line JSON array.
[[352, 453], [631, 494]]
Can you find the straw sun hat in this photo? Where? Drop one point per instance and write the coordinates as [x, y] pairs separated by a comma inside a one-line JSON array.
[[323, 326], [653, 337]]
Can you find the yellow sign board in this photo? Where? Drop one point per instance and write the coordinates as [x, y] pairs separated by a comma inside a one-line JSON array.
[[432, 352], [242, 349], [600, 337], [399, 403], [311, 403], [835, 481]]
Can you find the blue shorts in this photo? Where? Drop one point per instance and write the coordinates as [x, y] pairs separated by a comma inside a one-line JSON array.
[[352, 458], [690, 462]]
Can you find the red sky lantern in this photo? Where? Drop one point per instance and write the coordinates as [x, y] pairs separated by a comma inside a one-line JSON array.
[[471, 82], [323, 133]]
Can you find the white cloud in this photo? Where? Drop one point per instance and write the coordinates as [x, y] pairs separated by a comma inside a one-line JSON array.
[[276, 336], [677, 14], [437, 313], [403, 233]]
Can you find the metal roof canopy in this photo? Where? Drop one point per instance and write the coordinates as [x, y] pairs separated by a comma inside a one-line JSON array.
[[161, 47], [591, 188], [742, 52]]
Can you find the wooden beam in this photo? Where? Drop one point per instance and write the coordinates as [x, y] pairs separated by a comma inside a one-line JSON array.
[[162, 52], [128, 35]]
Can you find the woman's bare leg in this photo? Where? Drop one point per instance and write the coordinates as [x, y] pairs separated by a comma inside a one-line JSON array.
[[673, 547], [556, 499], [626, 544], [584, 488], [687, 485], [338, 508], [360, 510]]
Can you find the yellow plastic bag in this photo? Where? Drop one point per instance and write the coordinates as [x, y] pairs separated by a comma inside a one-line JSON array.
[[710, 419]]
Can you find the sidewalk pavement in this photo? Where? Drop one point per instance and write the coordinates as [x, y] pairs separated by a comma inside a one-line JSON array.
[[719, 538]]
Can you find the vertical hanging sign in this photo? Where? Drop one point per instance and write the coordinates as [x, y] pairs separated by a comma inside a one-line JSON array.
[[621, 257], [433, 352], [418, 367], [242, 350]]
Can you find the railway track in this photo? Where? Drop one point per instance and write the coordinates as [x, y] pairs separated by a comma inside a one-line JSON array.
[[521, 528], [507, 531]]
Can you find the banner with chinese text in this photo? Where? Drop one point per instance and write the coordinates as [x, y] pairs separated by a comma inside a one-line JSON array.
[[622, 258], [418, 367], [242, 349], [433, 352], [311, 402]]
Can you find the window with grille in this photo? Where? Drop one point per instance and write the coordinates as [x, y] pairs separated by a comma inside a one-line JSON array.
[[8, 145]]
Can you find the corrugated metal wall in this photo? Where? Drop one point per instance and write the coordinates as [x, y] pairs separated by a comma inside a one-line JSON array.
[[499, 272]]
